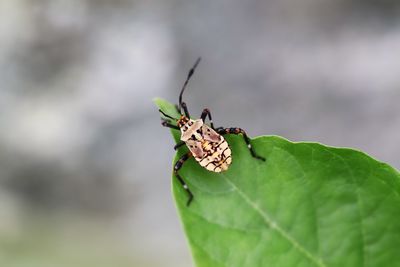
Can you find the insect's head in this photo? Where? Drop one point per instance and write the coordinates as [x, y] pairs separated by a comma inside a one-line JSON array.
[[182, 121], [179, 122]]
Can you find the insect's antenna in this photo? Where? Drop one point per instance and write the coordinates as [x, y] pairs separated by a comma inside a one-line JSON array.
[[166, 115], [191, 71]]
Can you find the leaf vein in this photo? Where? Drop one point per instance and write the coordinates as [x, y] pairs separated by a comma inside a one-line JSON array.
[[359, 204], [274, 225], [219, 224]]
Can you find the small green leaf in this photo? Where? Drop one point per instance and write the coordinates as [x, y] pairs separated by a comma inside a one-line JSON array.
[[307, 205]]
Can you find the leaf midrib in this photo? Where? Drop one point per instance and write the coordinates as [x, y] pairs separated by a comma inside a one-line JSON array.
[[275, 226]]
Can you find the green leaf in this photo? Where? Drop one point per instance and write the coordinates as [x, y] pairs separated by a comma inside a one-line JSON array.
[[307, 205]]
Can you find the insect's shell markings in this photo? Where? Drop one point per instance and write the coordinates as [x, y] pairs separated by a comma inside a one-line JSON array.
[[209, 148]]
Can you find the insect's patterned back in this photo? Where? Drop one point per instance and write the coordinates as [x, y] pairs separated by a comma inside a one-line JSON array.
[[208, 147]]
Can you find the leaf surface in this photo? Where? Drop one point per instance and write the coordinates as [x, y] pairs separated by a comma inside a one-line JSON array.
[[307, 205]]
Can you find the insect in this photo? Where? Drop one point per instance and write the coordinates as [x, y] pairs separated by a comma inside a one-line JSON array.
[[206, 143]]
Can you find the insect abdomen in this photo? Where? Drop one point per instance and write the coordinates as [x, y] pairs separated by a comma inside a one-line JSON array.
[[217, 156]]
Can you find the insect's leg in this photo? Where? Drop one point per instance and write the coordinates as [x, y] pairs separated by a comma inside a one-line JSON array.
[[178, 145], [246, 139], [166, 115], [204, 114], [166, 124], [177, 167]]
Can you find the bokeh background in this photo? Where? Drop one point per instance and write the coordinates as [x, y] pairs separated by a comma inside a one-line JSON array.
[[84, 162]]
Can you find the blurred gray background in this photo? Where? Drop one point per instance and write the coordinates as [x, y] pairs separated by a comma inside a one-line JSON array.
[[84, 162]]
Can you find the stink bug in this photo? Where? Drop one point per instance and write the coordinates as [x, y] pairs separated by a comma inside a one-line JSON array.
[[206, 143]]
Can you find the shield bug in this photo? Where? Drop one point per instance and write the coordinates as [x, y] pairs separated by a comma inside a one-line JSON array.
[[206, 143]]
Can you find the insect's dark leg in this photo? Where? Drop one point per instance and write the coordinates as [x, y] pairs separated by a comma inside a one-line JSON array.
[[166, 115], [166, 124], [246, 139], [177, 167], [204, 114], [178, 145]]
